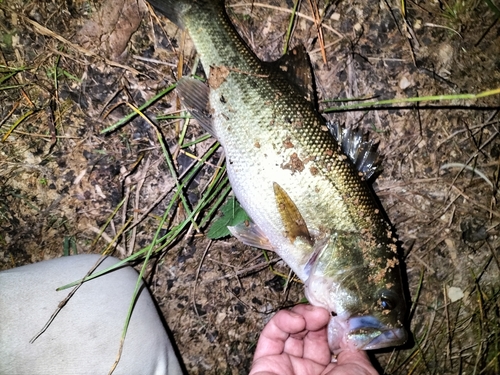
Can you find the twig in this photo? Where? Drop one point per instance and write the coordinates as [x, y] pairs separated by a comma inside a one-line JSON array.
[[302, 15], [65, 301], [255, 268], [469, 168], [196, 278]]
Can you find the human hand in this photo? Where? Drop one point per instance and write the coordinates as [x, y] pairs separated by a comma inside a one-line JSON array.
[[295, 342]]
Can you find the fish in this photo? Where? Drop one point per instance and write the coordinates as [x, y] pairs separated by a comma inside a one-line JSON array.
[[302, 180]]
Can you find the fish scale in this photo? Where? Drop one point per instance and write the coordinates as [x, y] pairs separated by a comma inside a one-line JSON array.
[[307, 200]]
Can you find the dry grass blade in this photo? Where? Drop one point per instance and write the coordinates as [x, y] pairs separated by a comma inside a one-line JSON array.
[[317, 22], [45, 31]]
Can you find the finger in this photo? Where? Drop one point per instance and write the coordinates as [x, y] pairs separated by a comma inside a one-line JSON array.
[[316, 317], [316, 347], [294, 347], [355, 362], [315, 341], [277, 331]]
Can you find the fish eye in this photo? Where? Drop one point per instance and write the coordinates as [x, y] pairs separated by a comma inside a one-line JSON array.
[[387, 301]]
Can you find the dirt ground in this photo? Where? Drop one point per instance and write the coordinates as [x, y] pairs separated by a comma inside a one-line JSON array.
[[70, 69]]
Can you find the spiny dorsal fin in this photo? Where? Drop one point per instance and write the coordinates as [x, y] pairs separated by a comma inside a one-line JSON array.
[[295, 65], [362, 153], [294, 223], [194, 95]]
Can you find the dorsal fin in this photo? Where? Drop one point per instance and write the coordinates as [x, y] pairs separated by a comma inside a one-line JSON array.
[[296, 66], [362, 153], [294, 223]]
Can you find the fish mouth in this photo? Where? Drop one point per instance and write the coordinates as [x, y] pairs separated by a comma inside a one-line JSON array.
[[368, 333]]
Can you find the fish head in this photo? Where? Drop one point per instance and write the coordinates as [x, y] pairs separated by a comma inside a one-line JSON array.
[[362, 289], [367, 330]]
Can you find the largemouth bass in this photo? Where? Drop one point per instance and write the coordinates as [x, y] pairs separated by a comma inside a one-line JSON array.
[[300, 185]]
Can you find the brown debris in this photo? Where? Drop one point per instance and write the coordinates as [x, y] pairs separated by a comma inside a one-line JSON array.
[[218, 75], [295, 164]]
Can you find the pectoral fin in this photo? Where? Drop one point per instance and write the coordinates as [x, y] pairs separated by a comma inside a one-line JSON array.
[[294, 223], [250, 234], [318, 249], [195, 96]]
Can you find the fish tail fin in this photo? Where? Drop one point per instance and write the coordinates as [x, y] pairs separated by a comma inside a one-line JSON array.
[[175, 10]]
